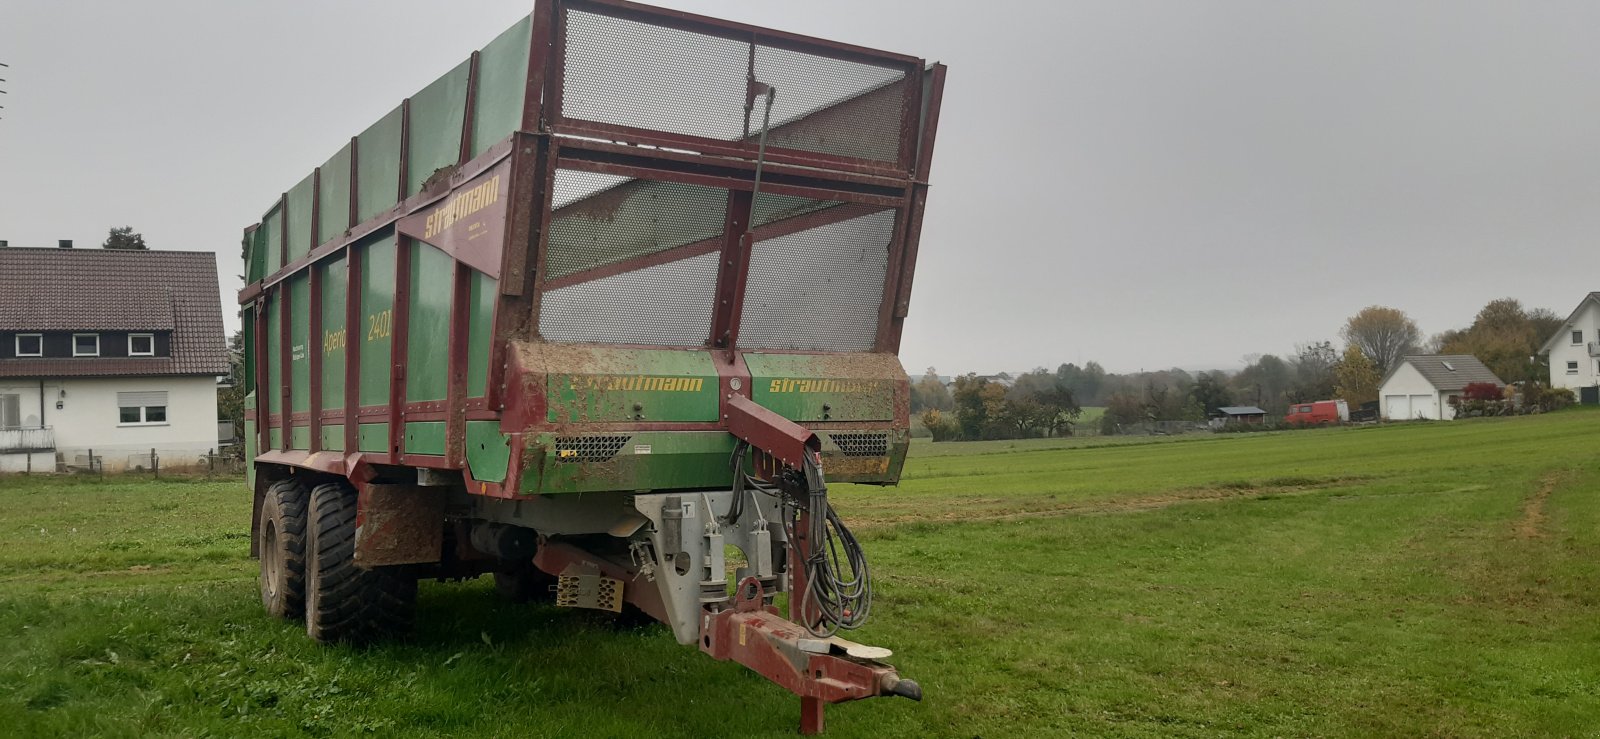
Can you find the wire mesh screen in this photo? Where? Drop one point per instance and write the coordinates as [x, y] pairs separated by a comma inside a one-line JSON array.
[[634, 261], [664, 305], [602, 219], [818, 289], [629, 73], [829, 106]]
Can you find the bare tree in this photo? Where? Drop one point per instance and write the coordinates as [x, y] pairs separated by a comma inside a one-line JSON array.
[[1383, 334]]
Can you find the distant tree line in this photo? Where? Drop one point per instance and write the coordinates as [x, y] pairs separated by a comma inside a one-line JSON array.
[[1504, 335]]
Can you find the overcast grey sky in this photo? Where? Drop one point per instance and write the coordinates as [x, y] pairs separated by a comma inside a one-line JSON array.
[[1147, 184]]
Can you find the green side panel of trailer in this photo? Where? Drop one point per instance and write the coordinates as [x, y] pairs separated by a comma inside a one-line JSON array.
[[428, 324], [480, 334], [372, 437], [270, 236], [247, 345], [333, 197], [335, 279], [251, 445], [275, 437], [378, 167], [437, 113], [274, 340], [301, 197], [804, 387], [654, 460], [635, 385], [300, 343], [299, 437], [488, 451], [502, 86], [425, 437], [333, 437], [255, 256], [377, 322]]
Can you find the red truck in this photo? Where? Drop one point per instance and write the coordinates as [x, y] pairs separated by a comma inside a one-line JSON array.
[[1319, 413]]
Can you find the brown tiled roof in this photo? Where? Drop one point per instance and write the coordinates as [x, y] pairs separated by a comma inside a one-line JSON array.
[[109, 290]]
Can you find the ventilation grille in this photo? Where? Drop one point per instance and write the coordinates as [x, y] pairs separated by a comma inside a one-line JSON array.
[[862, 444], [575, 449], [629, 73], [819, 289]]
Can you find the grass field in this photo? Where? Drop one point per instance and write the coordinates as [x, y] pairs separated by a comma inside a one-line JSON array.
[[1427, 579]]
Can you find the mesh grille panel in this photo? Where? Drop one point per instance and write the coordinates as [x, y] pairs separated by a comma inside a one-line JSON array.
[[830, 106], [818, 289], [635, 74], [573, 449], [628, 73], [862, 444], [769, 208], [602, 219], [667, 305]]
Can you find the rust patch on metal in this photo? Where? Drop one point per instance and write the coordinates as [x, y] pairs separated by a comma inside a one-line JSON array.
[[398, 525]]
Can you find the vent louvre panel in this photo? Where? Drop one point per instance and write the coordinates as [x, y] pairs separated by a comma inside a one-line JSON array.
[[861, 444], [576, 449]]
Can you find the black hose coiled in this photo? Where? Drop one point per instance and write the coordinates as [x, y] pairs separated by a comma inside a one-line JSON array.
[[838, 593]]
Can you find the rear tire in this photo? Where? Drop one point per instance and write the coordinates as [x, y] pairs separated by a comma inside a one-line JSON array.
[[281, 544], [344, 602]]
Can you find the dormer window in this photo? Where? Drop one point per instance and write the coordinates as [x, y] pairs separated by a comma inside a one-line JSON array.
[[141, 345], [86, 345], [1577, 337], [30, 345]]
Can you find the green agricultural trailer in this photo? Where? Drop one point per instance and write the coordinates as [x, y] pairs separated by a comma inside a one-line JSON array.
[[599, 312]]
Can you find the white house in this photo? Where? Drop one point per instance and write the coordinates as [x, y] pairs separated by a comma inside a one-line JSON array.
[[112, 351], [1427, 385], [1574, 351]]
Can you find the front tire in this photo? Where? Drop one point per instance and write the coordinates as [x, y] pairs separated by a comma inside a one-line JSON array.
[[281, 544], [345, 602]]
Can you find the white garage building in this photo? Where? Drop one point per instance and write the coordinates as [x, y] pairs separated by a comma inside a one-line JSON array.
[[1424, 385]]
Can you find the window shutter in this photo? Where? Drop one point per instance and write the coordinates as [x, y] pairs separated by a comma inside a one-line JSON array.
[[143, 398]]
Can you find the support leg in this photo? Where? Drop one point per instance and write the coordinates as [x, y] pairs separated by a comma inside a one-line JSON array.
[[811, 716]]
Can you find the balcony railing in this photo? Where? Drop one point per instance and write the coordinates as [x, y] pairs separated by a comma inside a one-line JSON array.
[[27, 439]]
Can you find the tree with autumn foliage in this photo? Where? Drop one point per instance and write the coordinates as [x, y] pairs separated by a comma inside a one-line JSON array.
[[1356, 377], [1383, 334], [1505, 337]]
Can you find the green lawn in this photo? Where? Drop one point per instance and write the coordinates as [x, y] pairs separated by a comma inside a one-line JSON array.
[[1419, 579]]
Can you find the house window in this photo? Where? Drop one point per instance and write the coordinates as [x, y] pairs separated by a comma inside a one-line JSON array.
[[1572, 368], [86, 345], [30, 345], [10, 411], [141, 345], [142, 408], [1577, 337]]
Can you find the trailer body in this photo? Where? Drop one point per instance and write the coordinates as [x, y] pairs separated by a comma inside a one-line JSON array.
[[539, 296]]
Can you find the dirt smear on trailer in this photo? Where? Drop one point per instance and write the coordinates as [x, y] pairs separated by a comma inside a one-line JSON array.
[[867, 516]]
